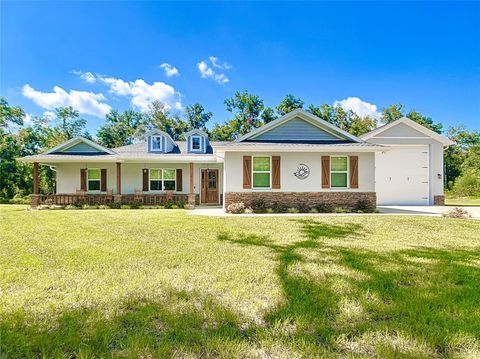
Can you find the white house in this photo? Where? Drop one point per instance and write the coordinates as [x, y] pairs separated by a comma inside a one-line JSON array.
[[296, 159]]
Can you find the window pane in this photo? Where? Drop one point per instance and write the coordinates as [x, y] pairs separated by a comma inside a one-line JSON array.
[[339, 163], [261, 180], [94, 174], [261, 163], [155, 174], [156, 142], [156, 185], [94, 185], [339, 180], [169, 174], [196, 143], [169, 185]]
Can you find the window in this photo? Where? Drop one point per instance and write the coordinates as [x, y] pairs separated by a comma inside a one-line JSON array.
[[162, 179], [156, 143], [196, 142], [339, 172], [261, 172], [93, 179]]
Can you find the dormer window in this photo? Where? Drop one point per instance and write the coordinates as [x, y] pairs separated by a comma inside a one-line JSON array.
[[156, 143], [196, 140]]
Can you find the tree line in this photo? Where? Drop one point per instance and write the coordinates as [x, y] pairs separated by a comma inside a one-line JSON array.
[[248, 111]]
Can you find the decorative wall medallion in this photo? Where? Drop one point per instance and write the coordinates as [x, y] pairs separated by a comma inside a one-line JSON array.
[[302, 171]]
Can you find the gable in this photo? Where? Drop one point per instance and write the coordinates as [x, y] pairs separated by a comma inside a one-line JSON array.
[[401, 130], [80, 147]]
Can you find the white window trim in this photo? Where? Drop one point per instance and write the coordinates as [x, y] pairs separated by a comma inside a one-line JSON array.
[[200, 139], [347, 172], [161, 143], [269, 172], [99, 181], [161, 179]]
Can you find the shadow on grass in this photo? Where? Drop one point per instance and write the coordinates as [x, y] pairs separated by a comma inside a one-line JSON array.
[[338, 300]]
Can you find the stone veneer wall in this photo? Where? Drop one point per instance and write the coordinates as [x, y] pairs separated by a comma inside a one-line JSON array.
[[309, 199], [439, 200]]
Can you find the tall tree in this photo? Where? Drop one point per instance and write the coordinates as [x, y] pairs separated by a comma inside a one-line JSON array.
[[397, 111], [162, 118], [247, 109], [392, 113], [268, 115], [121, 129], [10, 115], [69, 122], [288, 104], [197, 117]]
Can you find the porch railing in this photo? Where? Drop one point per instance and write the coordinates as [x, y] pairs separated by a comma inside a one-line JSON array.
[[97, 199]]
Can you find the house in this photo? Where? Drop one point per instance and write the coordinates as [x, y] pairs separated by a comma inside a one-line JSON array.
[[296, 159]]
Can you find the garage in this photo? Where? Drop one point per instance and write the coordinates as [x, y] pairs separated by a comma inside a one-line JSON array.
[[401, 176]]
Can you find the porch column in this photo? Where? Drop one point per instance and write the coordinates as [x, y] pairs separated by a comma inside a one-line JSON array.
[[191, 193], [35, 197], [118, 197]]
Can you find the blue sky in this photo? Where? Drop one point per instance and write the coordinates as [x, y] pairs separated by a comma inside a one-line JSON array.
[[101, 55]]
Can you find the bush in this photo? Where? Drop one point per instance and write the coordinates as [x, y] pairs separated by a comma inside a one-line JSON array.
[[20, 199], [468, 184], [135, 205], [248, 210], [236, 207], [168, 205], [259, 206], [103, 206], [325, 208], [175, 206], [71, 207], [303, 208], [341, 210], [313, 210], [279, 207], [456, 213], [125, 206], [292, 210], [188, 206], [270, 210], [364, 206], [114, 205]]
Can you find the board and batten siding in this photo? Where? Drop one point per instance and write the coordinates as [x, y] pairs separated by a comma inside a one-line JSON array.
[[295, 129], [289, 163]]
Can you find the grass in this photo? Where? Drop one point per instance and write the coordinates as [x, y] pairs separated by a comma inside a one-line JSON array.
[[462, 201], [161, 283]]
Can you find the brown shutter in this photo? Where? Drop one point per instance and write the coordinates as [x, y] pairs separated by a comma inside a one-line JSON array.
[[179, 180], [353, 171], [103, 180], [276, 172], [325, 171], [83, 179], [247, 171], [145, 179]]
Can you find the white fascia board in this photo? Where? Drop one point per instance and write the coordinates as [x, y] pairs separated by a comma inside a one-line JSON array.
[[60, 159], [302, 149], [182, 159]]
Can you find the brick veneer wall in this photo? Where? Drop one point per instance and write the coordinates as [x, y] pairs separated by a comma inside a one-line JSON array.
[[309, 199], [439, 200]]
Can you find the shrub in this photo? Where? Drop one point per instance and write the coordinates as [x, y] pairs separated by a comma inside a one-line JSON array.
[[468, 183], [181, 204], [135, 205], [292, 210], [103, 206], [325, 208], [175, 206], [168, 205], [248, 210], [188, 206], [279, 207], [71, 207], [20, 199], [303, 208], [236, 207], [125, 206], [457, 213], [341, 210], [114, 205], [364, 206], [313, 210], [270, 210], [258, 205]]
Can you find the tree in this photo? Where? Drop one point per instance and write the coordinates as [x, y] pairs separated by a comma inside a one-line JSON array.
[[360, 125], [268, 115], [397, 111], [10, 115], [121, 129], [70, 124], [425, 121], [288, 104], [162, 118], [247, 109], [392, 113], [197, 117], [224, 132]]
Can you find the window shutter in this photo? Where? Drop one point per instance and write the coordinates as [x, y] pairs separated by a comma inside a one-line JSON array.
[[247, 171], [83, 179], [179, 180], [103, 180], [276, 172], [353, 171], [145, 180], [325, 171]]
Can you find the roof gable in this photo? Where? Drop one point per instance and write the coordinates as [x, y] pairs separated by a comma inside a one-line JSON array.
[[79, 145], [405, 128], [195, 131], [298, 126]]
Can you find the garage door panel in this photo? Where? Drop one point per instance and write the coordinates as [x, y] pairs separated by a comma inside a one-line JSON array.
[[401, 176]]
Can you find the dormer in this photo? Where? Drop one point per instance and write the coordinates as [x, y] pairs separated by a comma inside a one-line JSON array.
[[159, 142], [197, 141]]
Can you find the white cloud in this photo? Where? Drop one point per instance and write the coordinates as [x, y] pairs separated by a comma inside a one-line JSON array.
[[169, 69], [27, 120], [85, 76], [216, 63], [49, 115], [207, 72], [361, 108], [143, 94], [85, 102]]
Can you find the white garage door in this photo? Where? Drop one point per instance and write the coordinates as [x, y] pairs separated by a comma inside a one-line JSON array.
[[401, 176]]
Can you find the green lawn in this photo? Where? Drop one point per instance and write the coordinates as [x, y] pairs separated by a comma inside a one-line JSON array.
[[162, 283], [465, 201]]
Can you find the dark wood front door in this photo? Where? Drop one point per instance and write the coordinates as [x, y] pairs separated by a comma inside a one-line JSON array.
[[209, 186]]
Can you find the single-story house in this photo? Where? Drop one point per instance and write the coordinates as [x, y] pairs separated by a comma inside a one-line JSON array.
[[295, 159]]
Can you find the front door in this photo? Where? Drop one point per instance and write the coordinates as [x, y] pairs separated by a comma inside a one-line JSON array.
[[209, 186]]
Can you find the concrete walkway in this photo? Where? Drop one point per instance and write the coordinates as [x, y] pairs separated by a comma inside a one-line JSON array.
[[384, 210]]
